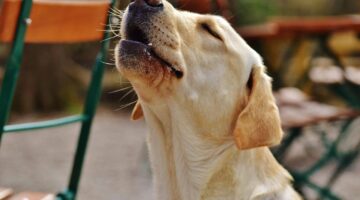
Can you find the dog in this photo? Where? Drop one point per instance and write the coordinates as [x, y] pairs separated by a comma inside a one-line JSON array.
[[207, 102]]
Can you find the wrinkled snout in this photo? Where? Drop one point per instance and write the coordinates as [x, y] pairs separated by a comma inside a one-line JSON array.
[[139, 17], [146, 6], [155, 3]]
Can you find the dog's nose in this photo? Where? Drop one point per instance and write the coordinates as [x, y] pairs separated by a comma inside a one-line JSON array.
[[155, 3], [152, 3]]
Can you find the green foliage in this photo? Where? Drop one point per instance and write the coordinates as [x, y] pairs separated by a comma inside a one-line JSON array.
[[257, 11], [253, 11]]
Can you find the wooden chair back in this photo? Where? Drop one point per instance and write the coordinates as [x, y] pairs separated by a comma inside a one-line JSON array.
[[56, 21]]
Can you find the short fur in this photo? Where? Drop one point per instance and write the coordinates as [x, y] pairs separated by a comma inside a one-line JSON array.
[[209, 130]]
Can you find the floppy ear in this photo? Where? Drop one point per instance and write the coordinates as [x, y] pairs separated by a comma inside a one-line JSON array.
[[259, 123], [137, 112]]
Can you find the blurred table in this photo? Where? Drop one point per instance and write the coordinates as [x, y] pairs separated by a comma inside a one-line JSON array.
[[301, 27], [318, 29], [298, 112]]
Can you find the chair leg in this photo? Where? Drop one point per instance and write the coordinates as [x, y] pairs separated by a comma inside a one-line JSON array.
[[281, 151], [92, 100], [345, 162], [13, 65], [344, 159]]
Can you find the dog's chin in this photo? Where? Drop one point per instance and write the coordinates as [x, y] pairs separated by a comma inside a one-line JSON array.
[[138, 62]]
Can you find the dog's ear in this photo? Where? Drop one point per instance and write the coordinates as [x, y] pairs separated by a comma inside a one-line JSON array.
[[137, 112], [259, 123]]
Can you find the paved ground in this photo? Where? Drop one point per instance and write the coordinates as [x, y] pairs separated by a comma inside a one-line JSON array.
[[116, 167]]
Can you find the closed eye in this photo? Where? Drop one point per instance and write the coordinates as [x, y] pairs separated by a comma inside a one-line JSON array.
[[207, 28]]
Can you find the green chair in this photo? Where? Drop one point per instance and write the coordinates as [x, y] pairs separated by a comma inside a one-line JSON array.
[[38, 22], [299, 114]]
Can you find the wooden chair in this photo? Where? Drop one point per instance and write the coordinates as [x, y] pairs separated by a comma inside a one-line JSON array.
[[49, 21], [298, 112]]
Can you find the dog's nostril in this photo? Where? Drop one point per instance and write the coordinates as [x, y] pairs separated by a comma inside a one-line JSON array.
[[154, 3]]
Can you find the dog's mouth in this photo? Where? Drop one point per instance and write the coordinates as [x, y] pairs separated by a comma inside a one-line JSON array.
[[136, 42]]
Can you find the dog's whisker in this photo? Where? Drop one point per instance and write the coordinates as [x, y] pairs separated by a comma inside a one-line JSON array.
[[111, 25], [109, 31], [126, 94], [118, 25], [120, 90], [110, 38], [123, 81], [116, 15], [126, 105], [106, 63], [112, 28], [116, 11]]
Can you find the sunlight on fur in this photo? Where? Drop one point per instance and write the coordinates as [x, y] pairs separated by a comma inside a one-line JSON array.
[[208, 105]]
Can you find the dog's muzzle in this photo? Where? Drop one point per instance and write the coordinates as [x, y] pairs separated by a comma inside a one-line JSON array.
[[144, 8], [136, 41], [154, 3]]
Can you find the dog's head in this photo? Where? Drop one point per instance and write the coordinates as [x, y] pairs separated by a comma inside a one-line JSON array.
[[197, 65]]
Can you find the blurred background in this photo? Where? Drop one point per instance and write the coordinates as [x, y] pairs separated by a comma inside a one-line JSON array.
[[311, 49]]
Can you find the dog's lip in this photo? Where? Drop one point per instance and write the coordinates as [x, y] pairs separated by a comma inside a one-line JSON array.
[[151, 51]]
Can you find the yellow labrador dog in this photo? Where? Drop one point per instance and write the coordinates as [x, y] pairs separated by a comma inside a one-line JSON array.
[[207, 102]]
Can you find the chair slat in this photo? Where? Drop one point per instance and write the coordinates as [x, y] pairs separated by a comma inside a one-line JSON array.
[[45, 124], [5, 193], [32, 196], [56, 21]]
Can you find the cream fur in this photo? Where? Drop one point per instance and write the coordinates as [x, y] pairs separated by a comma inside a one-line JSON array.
[[196, 122]]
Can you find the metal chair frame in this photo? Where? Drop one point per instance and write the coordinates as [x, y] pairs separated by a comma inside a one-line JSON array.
[[91, 102], [332, 153], [346, 92]]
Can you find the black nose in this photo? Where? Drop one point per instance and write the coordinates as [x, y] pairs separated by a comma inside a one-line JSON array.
[[152, 3], [155, 3]]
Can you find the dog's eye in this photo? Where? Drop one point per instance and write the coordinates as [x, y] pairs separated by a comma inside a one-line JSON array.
[[207, 28]]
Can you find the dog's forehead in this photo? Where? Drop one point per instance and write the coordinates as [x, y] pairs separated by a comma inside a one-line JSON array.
[[246, 56]]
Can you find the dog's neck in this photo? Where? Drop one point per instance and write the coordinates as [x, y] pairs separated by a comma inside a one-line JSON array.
[[185, 162]]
